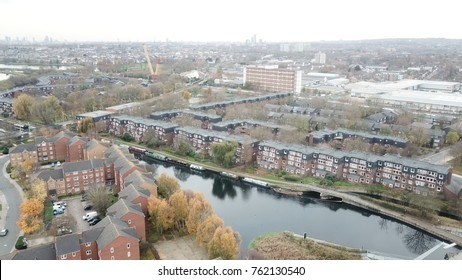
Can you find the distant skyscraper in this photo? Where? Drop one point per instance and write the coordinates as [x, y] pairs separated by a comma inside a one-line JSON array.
[[291, 47], [320, 58], [254, 39]]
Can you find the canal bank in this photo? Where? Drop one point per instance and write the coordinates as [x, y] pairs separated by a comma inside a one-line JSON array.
[[294, 189], [352, 199]]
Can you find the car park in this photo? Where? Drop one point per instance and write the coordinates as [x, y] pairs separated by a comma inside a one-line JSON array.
[[3, 232]]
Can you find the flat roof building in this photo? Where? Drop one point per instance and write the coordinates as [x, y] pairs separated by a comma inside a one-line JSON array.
[[274, 79]]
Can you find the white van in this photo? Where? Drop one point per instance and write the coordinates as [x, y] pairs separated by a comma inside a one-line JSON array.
[[57, 207], [89, 215]]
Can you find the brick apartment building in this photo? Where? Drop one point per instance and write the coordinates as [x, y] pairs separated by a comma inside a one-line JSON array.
[[110, 239], [391, 171], [21, 153], [115, 168], [137, 127], [63, 146], [202, 140], [130, 213]]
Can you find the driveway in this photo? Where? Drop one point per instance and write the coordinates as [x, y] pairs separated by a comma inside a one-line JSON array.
[[11, 198], [75, 209]]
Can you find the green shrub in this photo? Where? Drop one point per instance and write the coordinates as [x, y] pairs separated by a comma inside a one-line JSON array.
[[292, 178], [21, 243], [127, 137], [8, 168]]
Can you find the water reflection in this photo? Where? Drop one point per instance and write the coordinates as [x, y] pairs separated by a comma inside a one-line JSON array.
[[399, 228], [181, 174], [418, 242], [253, 211], [383, 224], [222, 187]]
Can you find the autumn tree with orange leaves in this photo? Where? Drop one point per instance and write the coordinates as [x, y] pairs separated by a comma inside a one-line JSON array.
[[207, 228], [179, 203], [224, 244], [167, 185], [165, 216], [30, 216], [199, 210]]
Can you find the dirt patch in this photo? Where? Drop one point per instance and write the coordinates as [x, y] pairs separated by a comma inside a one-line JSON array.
[[286, 246], [181, 248]]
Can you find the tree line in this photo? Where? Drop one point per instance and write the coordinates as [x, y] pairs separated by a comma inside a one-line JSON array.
[[175, 210], [45, 110]]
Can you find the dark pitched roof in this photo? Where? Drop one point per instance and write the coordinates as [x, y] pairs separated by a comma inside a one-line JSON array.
[[136, 178], [55, 174], [66, 244], [76, 139], [131, 192], [61, 134], [23, 147], [92, 144], [41, 252], [91, 235], [39, 140], [123, 207], [112, 229], [82, 165]]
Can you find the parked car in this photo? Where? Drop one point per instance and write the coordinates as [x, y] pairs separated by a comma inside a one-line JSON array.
[[3, 232], [62, 204], [58, 211], [92, 218], [84, 197], [94, 221], [58, 164], [88, 207], [89, 215]]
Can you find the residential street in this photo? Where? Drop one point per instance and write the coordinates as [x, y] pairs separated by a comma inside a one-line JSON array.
[[10, 199]]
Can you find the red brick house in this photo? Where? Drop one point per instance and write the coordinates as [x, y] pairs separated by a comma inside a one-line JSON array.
[[136, 195], [64, 146], [76, 149], [131, 214], [110, 239], [68, 247]]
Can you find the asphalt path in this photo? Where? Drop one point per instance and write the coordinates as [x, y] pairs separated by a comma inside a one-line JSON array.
[[12, 198]]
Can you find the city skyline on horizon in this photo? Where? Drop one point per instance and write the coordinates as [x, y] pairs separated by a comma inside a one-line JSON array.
[[237, 21]]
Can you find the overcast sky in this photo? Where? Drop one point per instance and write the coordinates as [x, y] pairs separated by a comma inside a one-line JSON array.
[[236, 20]]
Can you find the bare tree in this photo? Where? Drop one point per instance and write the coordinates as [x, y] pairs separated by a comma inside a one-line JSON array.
[[101, 199]]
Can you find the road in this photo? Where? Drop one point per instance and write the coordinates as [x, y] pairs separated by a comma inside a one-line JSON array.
[[11, 200], [441, 157]]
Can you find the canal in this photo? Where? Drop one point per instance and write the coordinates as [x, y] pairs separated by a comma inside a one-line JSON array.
[[253, 211]]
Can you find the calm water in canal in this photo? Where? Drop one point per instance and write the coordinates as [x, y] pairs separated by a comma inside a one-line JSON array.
[[253, 211]]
